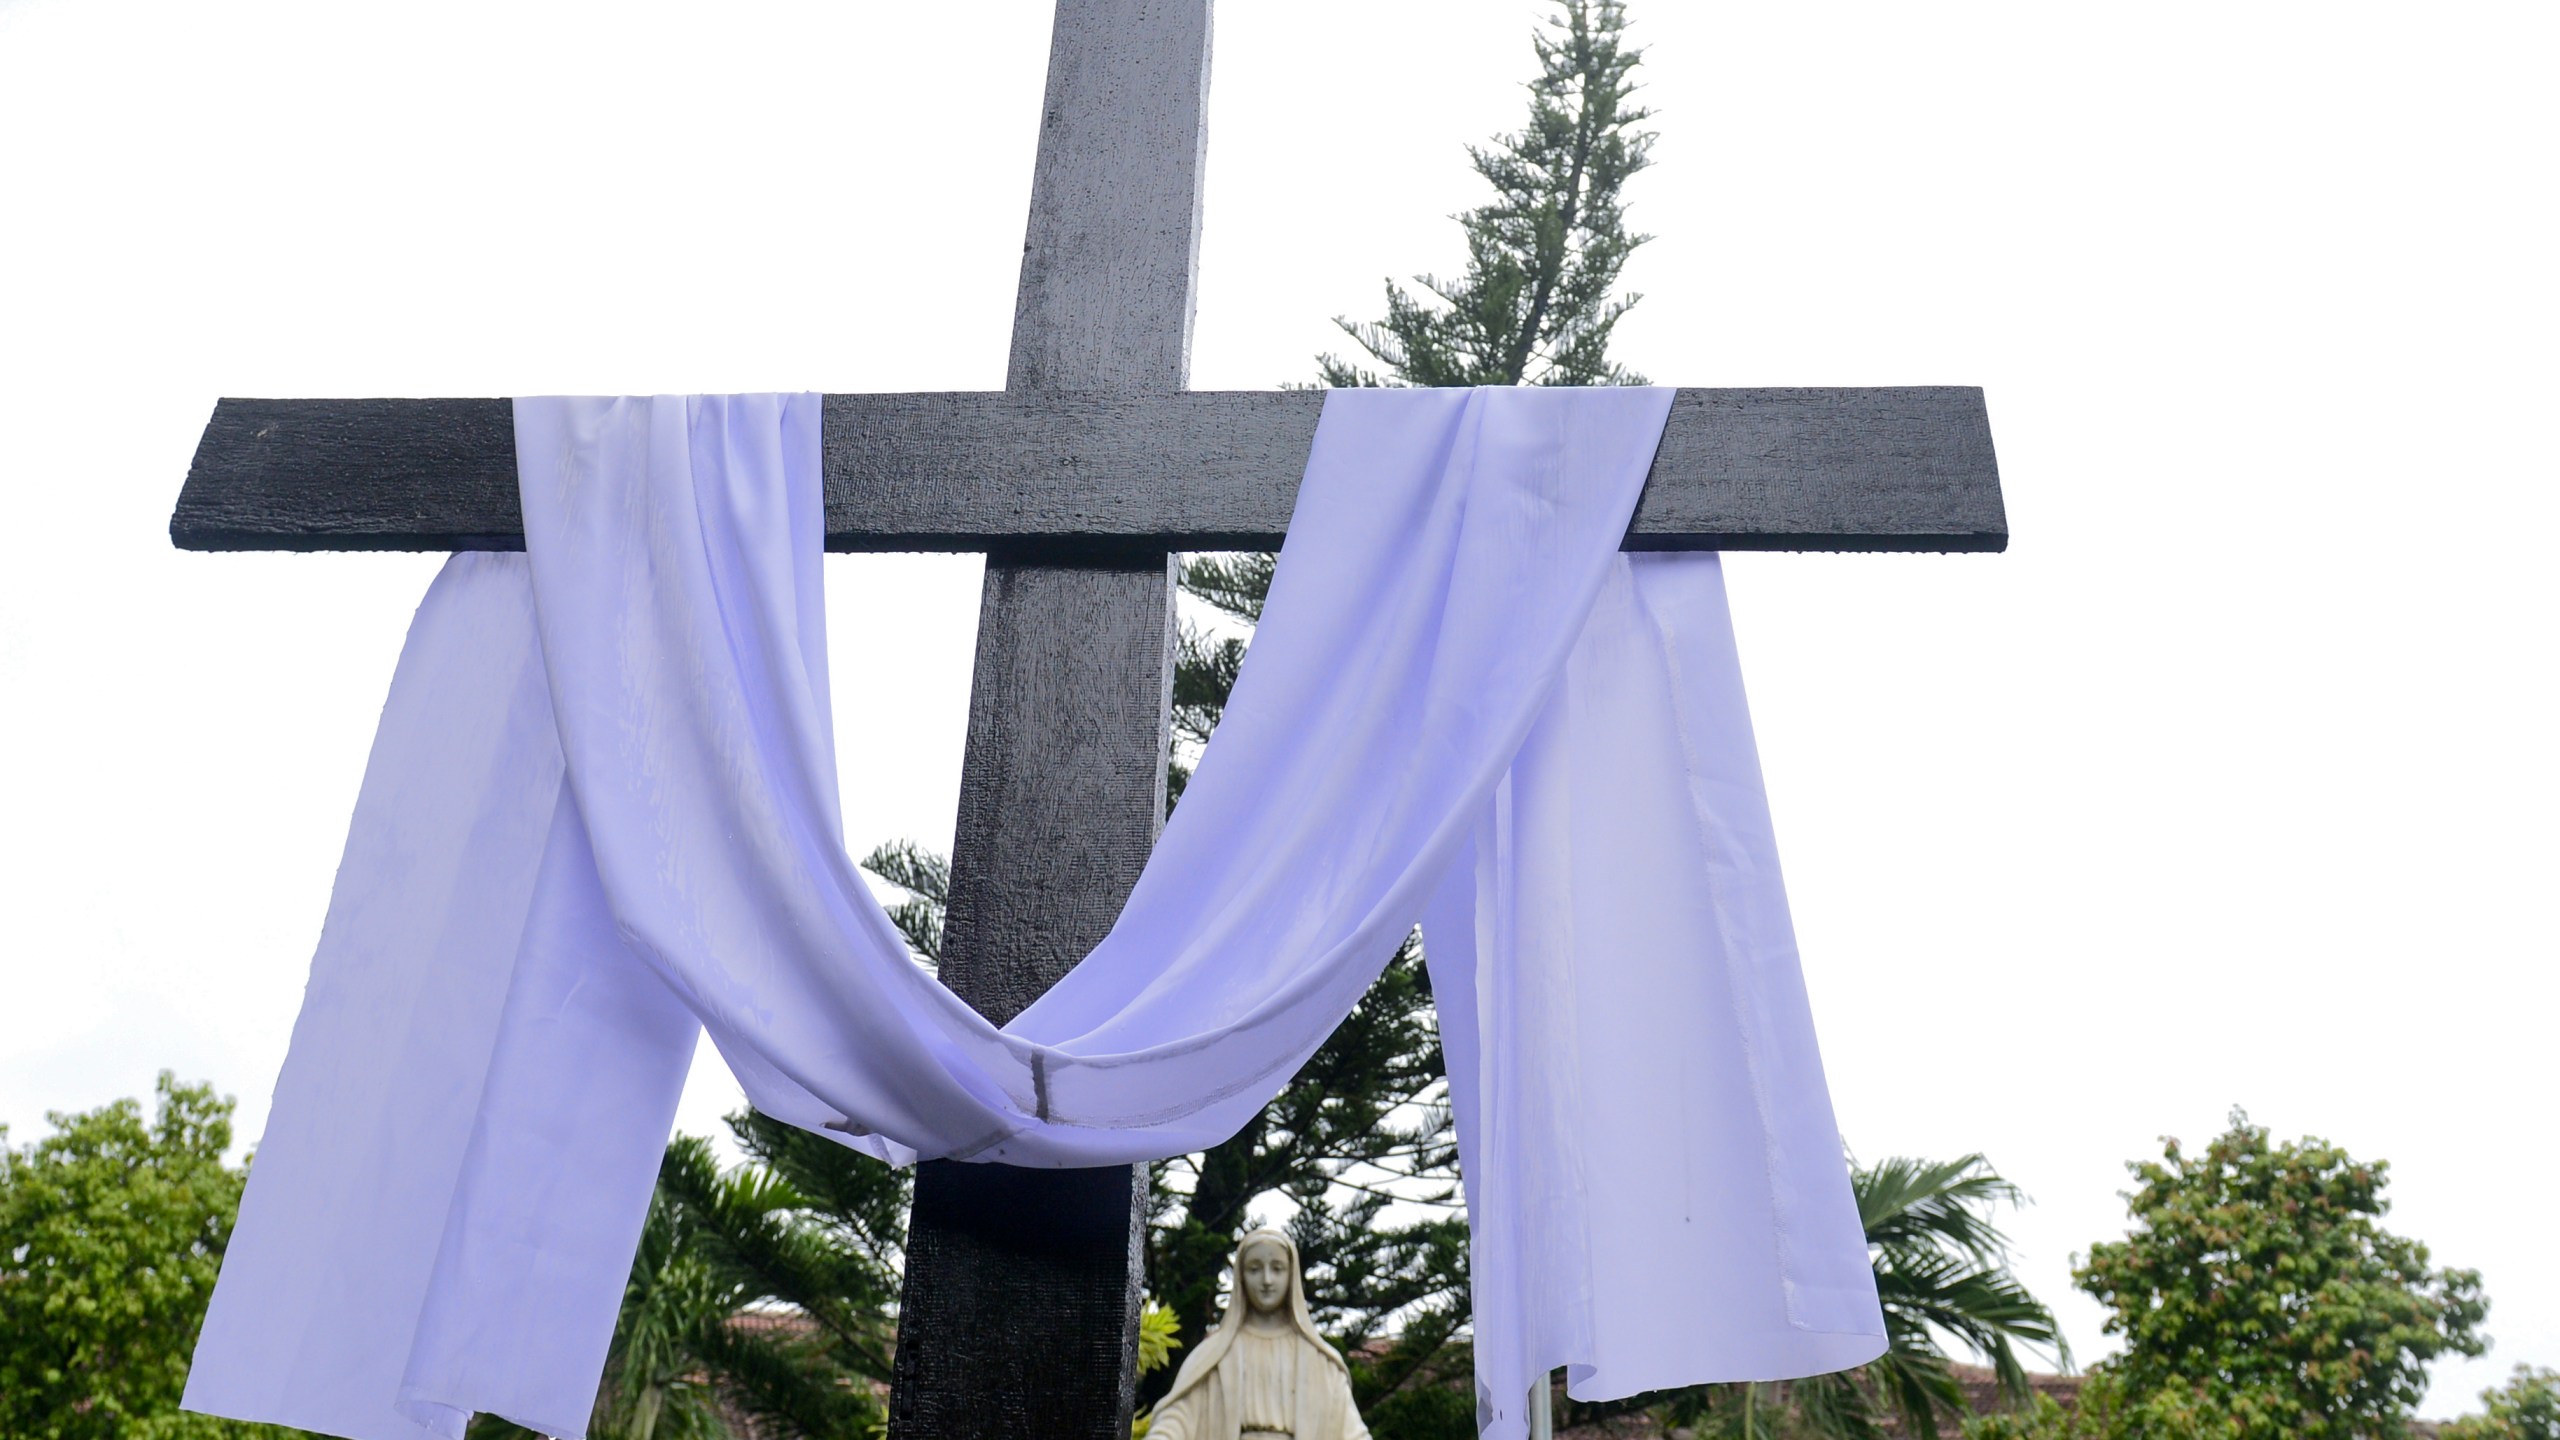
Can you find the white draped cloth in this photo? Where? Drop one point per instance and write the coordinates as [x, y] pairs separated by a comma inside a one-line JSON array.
[[601, 817]]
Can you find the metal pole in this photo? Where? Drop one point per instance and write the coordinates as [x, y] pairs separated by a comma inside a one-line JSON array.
[[1542, 1408]]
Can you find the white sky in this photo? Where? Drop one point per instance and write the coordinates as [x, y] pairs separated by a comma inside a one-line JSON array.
[[2222, 787]]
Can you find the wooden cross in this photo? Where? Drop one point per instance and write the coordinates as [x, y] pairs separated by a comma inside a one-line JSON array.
[[1082, 480]]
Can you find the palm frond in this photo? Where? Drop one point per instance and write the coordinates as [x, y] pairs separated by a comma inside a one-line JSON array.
[[1941, 1267], [1906, 1202], [787, 1380]]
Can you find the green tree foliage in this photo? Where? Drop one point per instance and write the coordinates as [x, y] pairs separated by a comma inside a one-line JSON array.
[[837, 1251], [1942, 1273], [2259, 1285], [766, 1291], [1157, 1339], [1942, 1270], [2259, 1297], [1535, 303], [2107, 1410], [926, 880], [111, 1231], [676, 1307], [2098, 1414], [807, 1229], [2527, 1407]]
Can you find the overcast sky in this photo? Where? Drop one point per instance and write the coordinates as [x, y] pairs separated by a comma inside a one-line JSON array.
[[2230, 784]]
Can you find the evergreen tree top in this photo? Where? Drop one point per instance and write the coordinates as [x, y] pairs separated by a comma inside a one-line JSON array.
[[1534, 305]]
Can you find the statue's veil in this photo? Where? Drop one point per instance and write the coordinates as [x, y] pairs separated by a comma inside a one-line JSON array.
[[1200, 1364]]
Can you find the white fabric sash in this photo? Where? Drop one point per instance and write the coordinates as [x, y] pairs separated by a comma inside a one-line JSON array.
[[601, 811]]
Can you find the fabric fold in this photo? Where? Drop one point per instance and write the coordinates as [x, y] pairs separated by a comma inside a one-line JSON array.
[[615, 753]]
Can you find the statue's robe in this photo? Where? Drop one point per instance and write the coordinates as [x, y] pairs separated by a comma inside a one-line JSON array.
[[1215, 1407]]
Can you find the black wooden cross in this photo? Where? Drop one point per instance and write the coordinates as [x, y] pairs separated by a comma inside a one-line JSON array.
[[1082, 480]]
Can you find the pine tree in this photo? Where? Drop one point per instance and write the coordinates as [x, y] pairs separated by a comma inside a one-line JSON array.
[[1366, 1122], [111, 1231], [1535, 305]]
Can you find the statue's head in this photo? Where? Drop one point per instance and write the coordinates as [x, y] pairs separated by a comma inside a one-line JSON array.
[[1267, 1289], [1266, 1271]]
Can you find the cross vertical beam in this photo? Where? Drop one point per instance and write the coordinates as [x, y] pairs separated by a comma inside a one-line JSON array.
[[1020, 1311]]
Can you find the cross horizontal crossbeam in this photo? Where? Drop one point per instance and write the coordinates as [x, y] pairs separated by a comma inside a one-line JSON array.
[[1057, 473]]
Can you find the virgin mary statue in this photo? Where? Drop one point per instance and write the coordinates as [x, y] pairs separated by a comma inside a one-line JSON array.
[[1264, 1372]]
